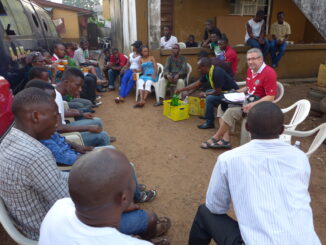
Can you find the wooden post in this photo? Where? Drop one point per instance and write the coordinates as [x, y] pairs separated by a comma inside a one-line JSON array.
[[116, 22], [154, 23]]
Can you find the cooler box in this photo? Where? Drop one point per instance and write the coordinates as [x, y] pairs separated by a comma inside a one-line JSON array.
[[175, 113], [196, 106]]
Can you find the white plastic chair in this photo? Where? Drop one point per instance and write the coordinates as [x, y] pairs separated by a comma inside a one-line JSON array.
[[182, 45], [155, 85], [188, 73], [9, 226], [318, 140], [302, 108]]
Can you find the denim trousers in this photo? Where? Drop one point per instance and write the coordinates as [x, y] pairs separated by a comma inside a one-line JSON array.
[[255, 44], [277, 47], [211, 102], [127, 83], [112, 75]]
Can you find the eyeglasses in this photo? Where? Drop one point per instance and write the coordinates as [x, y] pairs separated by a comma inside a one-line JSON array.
[[253, 58]]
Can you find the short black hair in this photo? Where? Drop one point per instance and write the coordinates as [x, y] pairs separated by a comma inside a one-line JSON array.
[[36, 72], [36, 83], [56, 45], [265, 120], [115, 50], [205, 62], [260, 13], [71, 71], [280, 13], [203, 54], [83, 41], [28, 97], [142, 47], [106, 50], [224, 38], [192, 36], [210, 21]]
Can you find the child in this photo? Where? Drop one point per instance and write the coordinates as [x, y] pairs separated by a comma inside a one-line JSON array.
[[191, 42]]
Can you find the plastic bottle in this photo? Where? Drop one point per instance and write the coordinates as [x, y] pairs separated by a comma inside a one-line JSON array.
[[186, 100], [297, 144], [175, 100]]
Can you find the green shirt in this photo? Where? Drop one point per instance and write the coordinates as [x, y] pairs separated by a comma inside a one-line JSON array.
[[175, 66]]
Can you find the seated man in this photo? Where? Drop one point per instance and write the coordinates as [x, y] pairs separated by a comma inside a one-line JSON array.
[[261, 85], [90, 128], [39, 73], [210, 29], [175, 72], [167, 41], [116, 63], [280, 32], [218, 81], [267, 182], [216, 62], [191, 42], [230, 56], [98, 201], [213, 45], [255, 33]]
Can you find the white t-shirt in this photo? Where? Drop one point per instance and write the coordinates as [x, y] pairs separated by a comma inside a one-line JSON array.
[[61, 107], [61, 226], [134, 62], [169, 44], [255, 27]]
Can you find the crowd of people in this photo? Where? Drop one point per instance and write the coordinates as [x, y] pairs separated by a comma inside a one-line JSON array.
[[97, 201]]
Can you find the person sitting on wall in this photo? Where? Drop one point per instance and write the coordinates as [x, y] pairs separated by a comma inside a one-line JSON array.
[[255, 33], [267, 183], [209, 29], [280, 32], [115, 65], [191, 42], [213, 45], [99, 206], [219, 81], [175, 73], [167, 41], [260, 86], [230, 56]]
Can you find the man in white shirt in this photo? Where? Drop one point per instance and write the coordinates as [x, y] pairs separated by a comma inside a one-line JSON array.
[[101, 188], [255, 33], [167, 41], [267, 181]]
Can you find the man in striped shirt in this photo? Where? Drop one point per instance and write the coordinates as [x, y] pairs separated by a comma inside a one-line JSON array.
[[267, 181]]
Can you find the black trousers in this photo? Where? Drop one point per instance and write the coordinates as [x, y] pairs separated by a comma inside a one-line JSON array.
[[89, 88], [219, 227]]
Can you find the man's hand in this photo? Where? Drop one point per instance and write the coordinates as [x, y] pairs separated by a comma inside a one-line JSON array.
[[202, 95], [247, 107], [94, 129], [176, 77], [82, 149], [88, 115]]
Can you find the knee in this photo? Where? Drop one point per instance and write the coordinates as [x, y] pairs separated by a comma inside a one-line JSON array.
[[210, 99], [98, 121]]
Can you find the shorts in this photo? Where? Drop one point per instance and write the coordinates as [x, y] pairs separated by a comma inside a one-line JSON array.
[[133, 223], [231, 115]]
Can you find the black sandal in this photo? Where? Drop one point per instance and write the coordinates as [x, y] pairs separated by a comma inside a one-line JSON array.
[[225, 144], [206, 145], [147, 196]]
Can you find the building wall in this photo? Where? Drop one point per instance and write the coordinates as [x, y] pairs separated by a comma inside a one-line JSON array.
[[106, 9], [71, 23], [142, 23]]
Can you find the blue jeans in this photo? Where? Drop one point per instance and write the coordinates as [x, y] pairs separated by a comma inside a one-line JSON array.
[[92, 139], [211, 102], [281, 50], [133, 223], [255, 44], [127, 83], [112, 74]]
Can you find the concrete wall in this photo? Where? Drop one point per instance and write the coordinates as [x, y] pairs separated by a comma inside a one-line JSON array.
[[71, 23]]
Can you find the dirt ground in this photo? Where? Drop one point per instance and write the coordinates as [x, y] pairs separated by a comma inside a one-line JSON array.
[[168, 158]]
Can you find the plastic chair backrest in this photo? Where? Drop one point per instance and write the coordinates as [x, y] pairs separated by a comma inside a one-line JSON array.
[[160, 70], [318, 140], [9, 226], [302, 108], [279, 92], [188, 73], [182, 45]]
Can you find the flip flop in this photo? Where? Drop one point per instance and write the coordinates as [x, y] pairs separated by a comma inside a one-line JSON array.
[[147, 196], [207, 145], [142, 187], [225, 144], [165, 224], [160, 241]]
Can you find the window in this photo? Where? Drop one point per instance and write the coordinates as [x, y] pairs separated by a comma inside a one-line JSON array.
[[248, 7], [48, 25], [13, 18]]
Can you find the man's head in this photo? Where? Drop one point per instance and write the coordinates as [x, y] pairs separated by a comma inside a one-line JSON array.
[[38, 73], [191, 38], [36, 113], [59, 49], [255, 59], [223, 42], [47, 57], [166, 31], [265, 121], [72, 82], [84, 44], [213, 38], [204, 65], [101, 185], [107, 52], [280, 17], [36, 59], [203, 54], [259, 16], [115, 52], [175, 50], [45, 86], [209, 25]]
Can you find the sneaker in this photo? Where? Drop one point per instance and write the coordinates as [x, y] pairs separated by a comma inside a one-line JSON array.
[[98, 103]]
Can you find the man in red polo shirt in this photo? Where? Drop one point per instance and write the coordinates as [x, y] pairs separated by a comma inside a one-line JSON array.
[[230, 56], [261, 83]]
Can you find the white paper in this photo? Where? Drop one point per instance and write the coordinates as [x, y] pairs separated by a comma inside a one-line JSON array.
[[235, 97]]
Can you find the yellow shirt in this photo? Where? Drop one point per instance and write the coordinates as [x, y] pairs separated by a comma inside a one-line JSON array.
[[280, 30]]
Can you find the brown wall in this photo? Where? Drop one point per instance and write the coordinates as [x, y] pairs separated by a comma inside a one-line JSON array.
[[142, 23]]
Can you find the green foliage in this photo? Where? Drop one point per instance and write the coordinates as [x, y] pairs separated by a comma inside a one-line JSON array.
[[85, 4], [96, 21]]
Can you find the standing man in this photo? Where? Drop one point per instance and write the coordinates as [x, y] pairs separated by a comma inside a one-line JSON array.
[[267, 181], [230, 56], [261, 85], [116, 63], [218, 81], [280, 32], [175, 72], [255, 33], [210, 29], [167, 41]]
